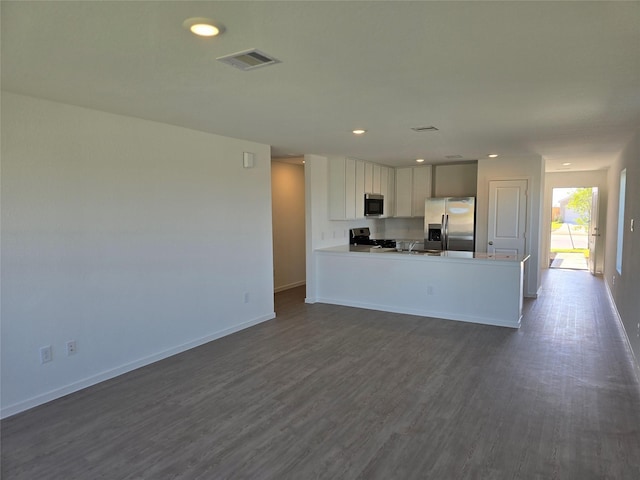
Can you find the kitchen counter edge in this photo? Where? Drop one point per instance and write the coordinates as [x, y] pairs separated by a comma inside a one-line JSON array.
[[448, 255]]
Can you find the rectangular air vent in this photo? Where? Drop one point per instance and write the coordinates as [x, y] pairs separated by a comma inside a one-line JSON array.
[[248, 59], [451, 157], [424, 129]]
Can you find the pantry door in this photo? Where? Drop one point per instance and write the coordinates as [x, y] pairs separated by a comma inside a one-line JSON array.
[[507, 217]]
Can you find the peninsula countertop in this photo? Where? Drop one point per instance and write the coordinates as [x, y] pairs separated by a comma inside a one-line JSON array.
[[468, 286], [444, 255]]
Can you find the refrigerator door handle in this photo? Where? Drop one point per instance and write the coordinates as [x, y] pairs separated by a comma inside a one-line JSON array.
[[442, 234], [446, 232]]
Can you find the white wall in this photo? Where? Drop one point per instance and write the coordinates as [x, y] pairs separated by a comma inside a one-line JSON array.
[[625, 288], [594, 178], [136, 239], [287, 197], [502, 168]]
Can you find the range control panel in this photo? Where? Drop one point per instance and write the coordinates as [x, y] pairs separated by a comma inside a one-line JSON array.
[[360, 232]]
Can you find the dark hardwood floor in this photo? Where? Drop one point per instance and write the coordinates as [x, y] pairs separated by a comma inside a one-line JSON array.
[[334, 392]]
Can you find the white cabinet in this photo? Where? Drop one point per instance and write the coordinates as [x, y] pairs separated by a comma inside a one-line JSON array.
[[387, 189], [350, 179], [368, 178], [376, 179], [404, 177], [360, 188], [342, 194], [421, 189], [350, 192], [412, 188]]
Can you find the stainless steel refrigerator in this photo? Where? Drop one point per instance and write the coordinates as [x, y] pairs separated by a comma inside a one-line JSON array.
[[449, 223]]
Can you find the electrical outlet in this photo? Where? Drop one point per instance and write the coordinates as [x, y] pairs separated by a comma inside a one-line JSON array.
[[429, 290], [72, 347], [246, 297], [46, 354], [613, 280]]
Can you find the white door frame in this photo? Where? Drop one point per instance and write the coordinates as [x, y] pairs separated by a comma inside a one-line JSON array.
[[594, 231]]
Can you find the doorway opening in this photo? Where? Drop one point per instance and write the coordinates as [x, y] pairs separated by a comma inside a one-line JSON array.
[[572, 211], [288, 226]]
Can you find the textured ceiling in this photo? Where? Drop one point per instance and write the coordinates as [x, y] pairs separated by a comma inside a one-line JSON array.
[[558, 79]]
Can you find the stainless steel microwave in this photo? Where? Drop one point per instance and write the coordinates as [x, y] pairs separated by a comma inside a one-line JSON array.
[[373, 205]]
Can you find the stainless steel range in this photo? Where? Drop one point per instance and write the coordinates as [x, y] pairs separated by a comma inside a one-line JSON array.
[[362, 236]]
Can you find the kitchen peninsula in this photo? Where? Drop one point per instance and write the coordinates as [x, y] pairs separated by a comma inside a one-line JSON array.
[[466, 286]]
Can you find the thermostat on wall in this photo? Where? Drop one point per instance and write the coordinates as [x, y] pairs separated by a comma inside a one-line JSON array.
[[247, 159]]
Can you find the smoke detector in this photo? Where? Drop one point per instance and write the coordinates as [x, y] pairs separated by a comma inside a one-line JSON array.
[[248, 59]]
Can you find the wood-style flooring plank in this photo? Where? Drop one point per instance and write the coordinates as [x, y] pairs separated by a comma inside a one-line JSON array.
[[330, 392]]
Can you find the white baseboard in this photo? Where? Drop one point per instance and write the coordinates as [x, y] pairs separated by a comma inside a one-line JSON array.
[[128, 367], [624, 330], [424, 313], [282, 288]]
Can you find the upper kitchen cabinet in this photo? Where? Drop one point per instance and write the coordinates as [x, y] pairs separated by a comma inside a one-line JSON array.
[[368, 178], [458, 180], [412, 188], [388, 189], [361, 187], [349, 180], [342, 188], [379, 179]]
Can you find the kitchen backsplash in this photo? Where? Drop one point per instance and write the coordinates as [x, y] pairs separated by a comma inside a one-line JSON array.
[[402, 229]]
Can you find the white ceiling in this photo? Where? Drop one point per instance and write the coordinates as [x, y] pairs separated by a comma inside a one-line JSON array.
[[558, 79]]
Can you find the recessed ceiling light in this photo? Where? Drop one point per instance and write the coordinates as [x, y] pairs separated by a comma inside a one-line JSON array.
[[492, 155], [566, 164], [419, 160], [203, 27], [359, 131]]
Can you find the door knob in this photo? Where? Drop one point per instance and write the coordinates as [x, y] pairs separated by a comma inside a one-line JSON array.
[[490, 243]]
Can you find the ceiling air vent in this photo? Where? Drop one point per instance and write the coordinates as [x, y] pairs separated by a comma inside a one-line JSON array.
[[452, 157], [424, 129], [248, 59]]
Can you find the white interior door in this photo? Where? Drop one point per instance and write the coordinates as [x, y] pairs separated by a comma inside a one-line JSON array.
[[507, 217], [593, 231]]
